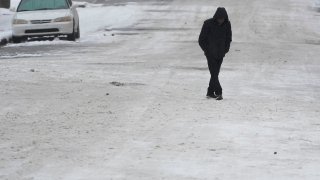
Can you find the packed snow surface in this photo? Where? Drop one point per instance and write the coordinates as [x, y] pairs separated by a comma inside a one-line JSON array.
[[127, 101]]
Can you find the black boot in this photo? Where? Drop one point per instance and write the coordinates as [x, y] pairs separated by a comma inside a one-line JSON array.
[[219, 97], [211, 95]]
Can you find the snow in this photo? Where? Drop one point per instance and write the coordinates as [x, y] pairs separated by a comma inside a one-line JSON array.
[[94, 20], [14, 3], [21, 55], [5, 23], [54, 42], [133, 106]]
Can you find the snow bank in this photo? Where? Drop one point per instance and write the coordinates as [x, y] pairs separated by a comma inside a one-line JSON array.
[[15, 3], [5, 23], [95, 20]]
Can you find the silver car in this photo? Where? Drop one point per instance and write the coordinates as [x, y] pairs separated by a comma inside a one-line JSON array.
[[41, 18]]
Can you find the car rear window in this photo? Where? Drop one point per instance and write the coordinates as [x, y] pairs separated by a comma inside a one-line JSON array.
[[34, 5]]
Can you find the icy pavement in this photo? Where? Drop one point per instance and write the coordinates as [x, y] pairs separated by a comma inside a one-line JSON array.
[[131, 104]]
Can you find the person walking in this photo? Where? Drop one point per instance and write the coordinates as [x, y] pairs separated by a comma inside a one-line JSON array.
[[215, 39]]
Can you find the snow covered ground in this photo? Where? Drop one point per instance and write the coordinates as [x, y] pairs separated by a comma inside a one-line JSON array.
[[127, 101]]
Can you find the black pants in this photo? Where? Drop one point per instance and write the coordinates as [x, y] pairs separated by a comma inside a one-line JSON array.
[[214, 65]]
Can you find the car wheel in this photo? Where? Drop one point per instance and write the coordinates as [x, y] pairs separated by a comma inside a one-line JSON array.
[[16, 39], [78, 32], [73, 35]]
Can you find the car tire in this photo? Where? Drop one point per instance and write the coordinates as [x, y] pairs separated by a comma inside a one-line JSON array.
[[73, 35], [16, 40], [78, 32]]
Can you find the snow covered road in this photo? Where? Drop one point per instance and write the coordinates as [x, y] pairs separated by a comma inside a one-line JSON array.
[[128, 100]]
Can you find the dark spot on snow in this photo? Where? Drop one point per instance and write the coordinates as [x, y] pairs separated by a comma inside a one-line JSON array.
[[313, 42], [127, 34], [32, 70], [275, 153], [82, 5], [115, 83], [135, 84]]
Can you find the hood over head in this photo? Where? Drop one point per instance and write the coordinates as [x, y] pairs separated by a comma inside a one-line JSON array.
[[221, 13]]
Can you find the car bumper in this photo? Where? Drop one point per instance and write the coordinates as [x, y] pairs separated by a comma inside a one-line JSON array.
[[61, 28]]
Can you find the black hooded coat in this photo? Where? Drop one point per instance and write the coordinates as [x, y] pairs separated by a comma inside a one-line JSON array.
[[214, 38]]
